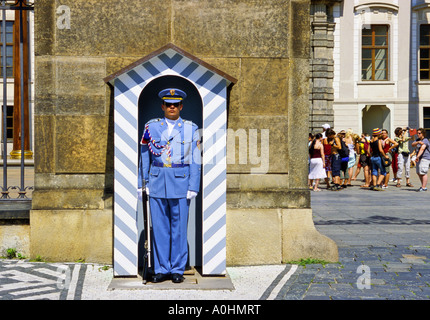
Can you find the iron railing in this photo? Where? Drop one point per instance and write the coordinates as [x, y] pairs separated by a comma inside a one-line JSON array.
[[21, 6]]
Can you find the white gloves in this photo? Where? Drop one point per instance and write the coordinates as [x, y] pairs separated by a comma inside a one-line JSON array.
[[191, 194]]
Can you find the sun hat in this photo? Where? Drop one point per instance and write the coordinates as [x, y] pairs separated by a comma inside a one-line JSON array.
[[377, 131]]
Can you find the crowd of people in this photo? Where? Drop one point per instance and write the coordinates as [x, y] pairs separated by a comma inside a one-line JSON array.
[[334, 156]]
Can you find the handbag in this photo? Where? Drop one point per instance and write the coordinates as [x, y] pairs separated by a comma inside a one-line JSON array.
[[386, 162], [404, 153]]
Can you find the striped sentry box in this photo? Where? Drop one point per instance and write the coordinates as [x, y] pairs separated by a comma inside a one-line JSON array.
[[212, 86]]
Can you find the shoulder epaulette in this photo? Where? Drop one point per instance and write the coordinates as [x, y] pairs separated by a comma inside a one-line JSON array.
[[153, 120], [189, 122]]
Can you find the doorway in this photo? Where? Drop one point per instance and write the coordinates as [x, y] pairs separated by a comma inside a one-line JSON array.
[[149, 107], [375, 116]]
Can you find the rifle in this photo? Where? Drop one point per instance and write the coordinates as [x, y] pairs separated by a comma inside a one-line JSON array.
[[147, 245]]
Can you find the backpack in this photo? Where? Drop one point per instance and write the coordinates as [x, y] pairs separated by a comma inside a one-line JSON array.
[[344, 150]]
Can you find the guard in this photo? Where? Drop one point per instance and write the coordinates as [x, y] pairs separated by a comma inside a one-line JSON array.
[[169, 172]]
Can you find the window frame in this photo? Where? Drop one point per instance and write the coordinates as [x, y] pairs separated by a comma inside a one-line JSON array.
[[424, 121], [373, 47], [8, 44], [10, 126], [423, 47]]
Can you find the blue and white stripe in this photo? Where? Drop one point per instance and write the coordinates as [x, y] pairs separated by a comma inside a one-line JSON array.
[[212, 88]]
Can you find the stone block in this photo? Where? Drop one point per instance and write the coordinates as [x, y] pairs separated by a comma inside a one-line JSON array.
[[54, 199], [256, 181], [263, 236], [69, 181], [112, 28], [300, 36], [45, 77], [257, 28], [70, 235], [70, 85], [257, 144], [262, 87], [44, 25], [300, 239], [269, 198], [80, 144], [80, 87], [253, 237], [44, 157], [298, 122]]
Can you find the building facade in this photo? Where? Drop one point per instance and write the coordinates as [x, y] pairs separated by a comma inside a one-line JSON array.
[[264, 45], [380, 65]]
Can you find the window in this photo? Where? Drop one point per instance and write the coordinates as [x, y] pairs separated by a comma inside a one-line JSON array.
[[9, 49], [374, 53], [425, 52], [9, 123], [426, 114]]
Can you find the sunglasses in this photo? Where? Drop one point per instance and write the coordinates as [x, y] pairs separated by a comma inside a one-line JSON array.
[[176, 105]]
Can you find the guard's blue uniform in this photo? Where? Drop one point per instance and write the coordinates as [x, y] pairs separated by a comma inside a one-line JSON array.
[[170, 166]]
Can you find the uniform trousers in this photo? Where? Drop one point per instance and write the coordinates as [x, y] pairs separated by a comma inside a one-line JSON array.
[[169, 226]]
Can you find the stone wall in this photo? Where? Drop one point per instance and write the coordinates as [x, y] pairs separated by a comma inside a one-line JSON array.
[[262, 43]]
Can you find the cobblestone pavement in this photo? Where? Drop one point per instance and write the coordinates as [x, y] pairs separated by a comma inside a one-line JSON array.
[[384, 245], [387, 273]]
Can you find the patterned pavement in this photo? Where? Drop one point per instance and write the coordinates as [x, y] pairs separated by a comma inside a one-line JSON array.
[[22, 280]]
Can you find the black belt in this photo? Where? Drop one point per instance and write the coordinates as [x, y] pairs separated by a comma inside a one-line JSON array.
[[169, 165]]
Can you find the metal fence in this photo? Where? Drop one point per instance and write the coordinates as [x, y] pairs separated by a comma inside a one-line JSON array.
[[21, 200]]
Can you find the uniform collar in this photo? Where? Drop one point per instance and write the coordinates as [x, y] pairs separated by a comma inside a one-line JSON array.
[[176, 129]]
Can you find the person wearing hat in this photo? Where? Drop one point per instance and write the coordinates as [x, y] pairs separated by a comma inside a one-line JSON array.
[[377, 152], [169, 173], [325, 127], [388, 145]]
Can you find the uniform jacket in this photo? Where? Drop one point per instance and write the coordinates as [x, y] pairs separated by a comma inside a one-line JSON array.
[[180, 149]]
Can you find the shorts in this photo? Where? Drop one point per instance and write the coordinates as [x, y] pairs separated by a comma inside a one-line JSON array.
[[387, 169], [377, 164], [344, 172], [423, 167], [335, 165], [364, 160]]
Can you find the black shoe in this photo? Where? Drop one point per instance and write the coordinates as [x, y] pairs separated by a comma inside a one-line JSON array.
[[160, 277], [177, 278]]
